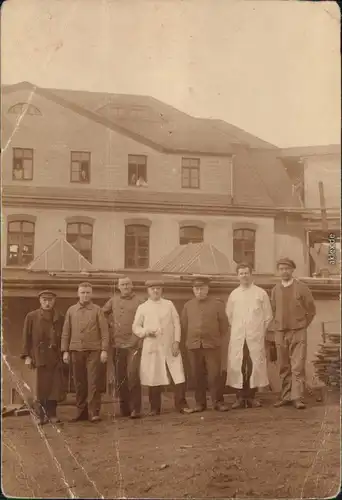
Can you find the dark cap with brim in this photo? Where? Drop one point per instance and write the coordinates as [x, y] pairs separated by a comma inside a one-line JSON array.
[[286, 262], [47, 293], [200, 281], [154, 283]]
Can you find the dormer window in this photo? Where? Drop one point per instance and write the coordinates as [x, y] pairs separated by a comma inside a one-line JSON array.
[[24, 108]]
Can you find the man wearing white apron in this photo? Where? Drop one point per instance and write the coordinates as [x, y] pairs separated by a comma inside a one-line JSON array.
[[157, 323], [249, 314]]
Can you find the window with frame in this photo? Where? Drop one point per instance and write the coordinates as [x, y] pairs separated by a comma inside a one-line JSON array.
[[22, 167], [190, 234], [20, 242], [244, 246], [137, 170], [24, 107], [80, 166], [80, 236], [137, 246], [191, 173]]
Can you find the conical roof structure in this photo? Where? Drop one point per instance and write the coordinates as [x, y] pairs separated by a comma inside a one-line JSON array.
[[60, 256], [194, 258]]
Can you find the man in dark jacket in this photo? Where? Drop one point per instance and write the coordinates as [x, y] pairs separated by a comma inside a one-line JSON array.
[[293, 309], [85, 335], [205, 324], [41, 352], [120, 311]]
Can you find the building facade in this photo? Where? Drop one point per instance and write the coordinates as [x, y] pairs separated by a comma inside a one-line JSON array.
[[126, 179]]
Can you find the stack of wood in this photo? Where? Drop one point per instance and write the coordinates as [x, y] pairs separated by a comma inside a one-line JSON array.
[[328, 361]]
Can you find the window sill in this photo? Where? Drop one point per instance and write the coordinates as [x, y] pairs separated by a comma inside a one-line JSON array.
[[80, 182], [22, 180]]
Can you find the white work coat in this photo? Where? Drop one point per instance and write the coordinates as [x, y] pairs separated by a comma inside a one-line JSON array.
[[249, 314], [156, 353]]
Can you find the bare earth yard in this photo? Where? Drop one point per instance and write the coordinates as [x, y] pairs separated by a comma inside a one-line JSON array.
[[255, 453]]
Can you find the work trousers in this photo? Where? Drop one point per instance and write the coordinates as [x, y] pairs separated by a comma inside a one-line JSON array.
[[86, 371], [246, 368], [207, 361], [127, 366], [179, 391], [46, 408], [291, 353]]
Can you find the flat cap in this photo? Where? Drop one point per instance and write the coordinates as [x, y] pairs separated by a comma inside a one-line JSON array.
[[287, 262], [151, 283], [47, 293], [200, 281]]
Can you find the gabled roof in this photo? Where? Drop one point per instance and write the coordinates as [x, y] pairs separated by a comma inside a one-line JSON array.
[[305, 151], [161, 126], [60, 256], [194, 258]]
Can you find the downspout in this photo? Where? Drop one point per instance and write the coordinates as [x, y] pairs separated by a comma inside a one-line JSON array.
[[232, 179]]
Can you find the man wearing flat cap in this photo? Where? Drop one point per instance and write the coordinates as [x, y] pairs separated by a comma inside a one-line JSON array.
[[41, 352], [157, 323], [293, 309], [205, 325]]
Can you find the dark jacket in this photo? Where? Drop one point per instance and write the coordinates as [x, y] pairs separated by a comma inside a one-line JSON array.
[[85, 329], [204, 323], [120, 312], [35, 341], [301, 308]]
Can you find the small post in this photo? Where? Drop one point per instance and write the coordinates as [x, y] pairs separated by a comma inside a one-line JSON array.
[[323, 207], [323, 332]]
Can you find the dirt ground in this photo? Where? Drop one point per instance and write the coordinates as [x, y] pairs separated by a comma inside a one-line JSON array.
[[255, 453]]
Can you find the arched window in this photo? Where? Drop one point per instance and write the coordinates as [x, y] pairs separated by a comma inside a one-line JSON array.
[[24, 107], [137, 246], [244, 246], [20, 242], [80, 236], [190, 234]]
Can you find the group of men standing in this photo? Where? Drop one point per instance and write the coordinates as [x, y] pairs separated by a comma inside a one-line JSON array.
[[147, 338]]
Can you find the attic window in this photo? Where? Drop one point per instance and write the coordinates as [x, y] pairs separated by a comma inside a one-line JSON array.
[[128, 112], [24, 108]]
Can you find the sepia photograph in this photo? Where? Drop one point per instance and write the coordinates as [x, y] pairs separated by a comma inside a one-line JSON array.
[[171, 249]]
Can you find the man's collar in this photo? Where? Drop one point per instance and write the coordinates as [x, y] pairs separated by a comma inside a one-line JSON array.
[[84, 306], [127, 297], [243, 288], [55, 315], [287, 283]]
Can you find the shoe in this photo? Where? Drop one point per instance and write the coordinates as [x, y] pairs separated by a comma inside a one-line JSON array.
[[239, 403], [42, 421], [55, 420], [199, 409], [186, 411], [135, 414], [253, 403], [80, 418], [221, 407], [94, 419], [282, 402], [153, 413], [299, 405]]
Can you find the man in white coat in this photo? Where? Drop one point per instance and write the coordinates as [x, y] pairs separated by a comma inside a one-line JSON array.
[[157, 323], [249, 314]]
